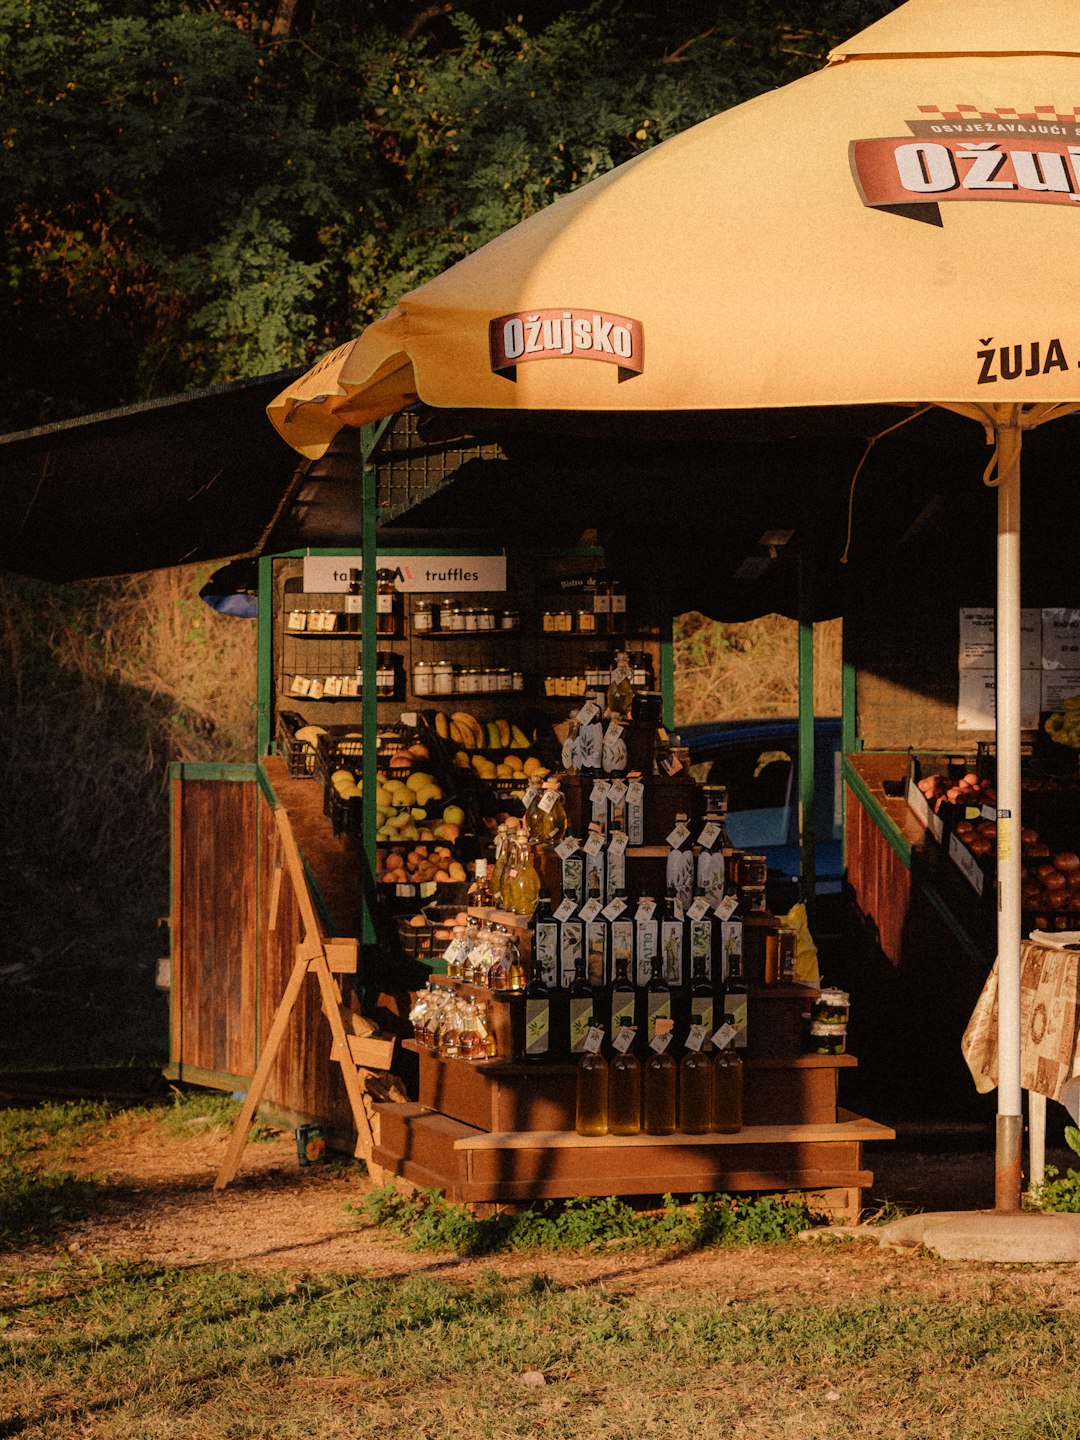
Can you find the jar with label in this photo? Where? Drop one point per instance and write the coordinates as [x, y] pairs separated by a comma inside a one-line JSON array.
[[454, 618], [564, 621], [586, 622], [503, 679], [472, 617], [827, 1039], [385, 676], [445, 675], [547, 622], [517, 680], [751, 900], [510, 620], [424, 616], [297, 620], [753, 869], [423, 678], [485, 618]]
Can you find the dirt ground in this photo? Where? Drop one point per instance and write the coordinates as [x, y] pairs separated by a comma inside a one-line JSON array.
[[279, 1216]]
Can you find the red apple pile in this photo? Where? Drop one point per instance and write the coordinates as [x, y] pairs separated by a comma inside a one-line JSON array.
[[970, 789], [1050, 886]]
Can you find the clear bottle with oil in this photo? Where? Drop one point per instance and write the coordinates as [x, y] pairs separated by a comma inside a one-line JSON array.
[[591, 1113], [624, 1086], [659, 1085], [695, 1082], [727, 1099]]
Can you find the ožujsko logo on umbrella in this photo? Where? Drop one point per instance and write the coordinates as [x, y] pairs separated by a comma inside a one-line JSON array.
[[516, 339], [972, 154]]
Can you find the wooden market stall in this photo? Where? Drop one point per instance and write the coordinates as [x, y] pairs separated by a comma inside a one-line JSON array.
[[498, 1131]]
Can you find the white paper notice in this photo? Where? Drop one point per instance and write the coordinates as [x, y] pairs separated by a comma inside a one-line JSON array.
[[976, 706]]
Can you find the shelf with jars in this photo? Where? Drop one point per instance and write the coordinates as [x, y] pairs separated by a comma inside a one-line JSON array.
[[319, 643]]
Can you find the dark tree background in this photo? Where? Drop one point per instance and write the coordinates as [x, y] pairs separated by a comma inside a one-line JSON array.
[[195, 192]]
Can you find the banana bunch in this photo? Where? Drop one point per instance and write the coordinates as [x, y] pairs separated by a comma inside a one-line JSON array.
[[1064, 725], [470, 733], [510, 767]]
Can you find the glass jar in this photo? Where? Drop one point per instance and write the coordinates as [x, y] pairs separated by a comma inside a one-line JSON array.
[[385, 676], [469, 682], [827, 1039], [423, 678], [445, 674], [753, 869], [423, 616], [586, 622], [485, 618], [510, 620], [517, 680], [564, 621], [454, 618], [472, 618], [503, 679], [547, 621]]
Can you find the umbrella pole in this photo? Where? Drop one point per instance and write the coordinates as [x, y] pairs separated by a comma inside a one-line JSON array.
[[1007, 1165]]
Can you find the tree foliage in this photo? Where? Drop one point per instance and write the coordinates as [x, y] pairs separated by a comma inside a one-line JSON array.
[[194, 192]]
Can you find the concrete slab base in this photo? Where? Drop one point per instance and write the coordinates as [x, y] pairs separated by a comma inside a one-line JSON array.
[[1023, 1238]]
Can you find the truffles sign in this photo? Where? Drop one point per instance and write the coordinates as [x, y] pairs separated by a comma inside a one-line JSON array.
[[413, 574], [519, 338], [971, 154]]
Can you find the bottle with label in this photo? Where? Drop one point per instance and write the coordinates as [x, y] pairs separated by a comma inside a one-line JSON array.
[[709, 879], [591, 1111], [591, 736], [613, 756], [673, 941], [696, 1081], [620, 937], [656, 1000], [727, 1103], [736, 995], [595, 852], [620, 691], [659, 1084], [480, 897], [549, 814], [571, 941], [537, 1020], [582, 1005], [502, 850], [646, 939], [596, 940], [572, 878], [680, 861], [703, 1006], [635, 809], [615, 877], [521, 880], [512, 964], [571, 749], [704, 938], [387, 601], [624, 1086], [623, 994], [546, 941], [353, 602]]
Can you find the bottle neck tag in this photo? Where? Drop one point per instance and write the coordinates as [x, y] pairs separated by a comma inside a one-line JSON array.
[[616, 791], [646, 910], [594, 844], [565, 910], [660, 1041], [618, 840], [709, 835], [624, 1039], [614, 908], [548, 800], [567, 847], [695, 1038], [588, 713], [591, 909], [599, 791], [635, 792], [727, 907], [698, 908], [593, 1040], [724, 1036], [678, 836]]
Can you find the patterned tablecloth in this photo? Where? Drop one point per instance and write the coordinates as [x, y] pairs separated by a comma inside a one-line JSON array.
[[1049, 1026]]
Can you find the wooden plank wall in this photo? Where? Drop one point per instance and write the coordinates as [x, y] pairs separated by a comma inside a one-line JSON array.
[[214, 925], [913, 988]]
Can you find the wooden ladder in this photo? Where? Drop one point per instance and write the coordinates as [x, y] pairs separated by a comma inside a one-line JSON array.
[[324, 957]]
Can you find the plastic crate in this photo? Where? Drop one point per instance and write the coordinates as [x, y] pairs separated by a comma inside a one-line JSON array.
[[299, 755]]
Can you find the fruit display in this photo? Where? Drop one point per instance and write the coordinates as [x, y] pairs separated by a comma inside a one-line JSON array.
[[419, 865], [1063, 726], [970, 789], [469, 733], [1050, 885]]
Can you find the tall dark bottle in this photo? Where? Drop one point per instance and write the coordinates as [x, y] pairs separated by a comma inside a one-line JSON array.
[[546, 941], [537, 1007], [659, 1083], [736, 997], [673, 941], [582, 1005], [623, 996], [727, 1102], [656, 1003]]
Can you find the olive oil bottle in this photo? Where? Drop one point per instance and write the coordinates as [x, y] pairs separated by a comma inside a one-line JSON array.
[[727, 1081], [592, 1087], [624, 1086], [695, 1083], [659, 1084]]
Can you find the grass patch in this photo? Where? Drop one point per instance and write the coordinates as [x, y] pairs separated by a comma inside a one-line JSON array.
[[1059, 1193], [426, 1221], [131, 1350]]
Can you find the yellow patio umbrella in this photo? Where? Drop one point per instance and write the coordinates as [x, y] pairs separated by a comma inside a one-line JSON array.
[[902, 227]]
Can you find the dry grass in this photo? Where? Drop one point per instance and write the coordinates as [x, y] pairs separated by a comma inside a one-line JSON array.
[[750, 670]]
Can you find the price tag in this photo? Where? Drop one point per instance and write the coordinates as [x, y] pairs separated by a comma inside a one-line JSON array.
[[724, 1036], [587, 714], [696, 1037], [617, 843], [593, 1040], [678, 836], [595, 843], [616, 791], [727, 907], [661, 1040], [699, 908], [624, 1039], [566, 910], [677, 908], [614, 908], [599, 791], [567, 847], [591, 909], [635, 792], [646, 910], [709, 835], [548, 800]]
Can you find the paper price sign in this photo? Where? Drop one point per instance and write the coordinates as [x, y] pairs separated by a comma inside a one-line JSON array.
[[548, 800], [695, 1038], [724, 1036], [699, 908], [565, 910], [727, 907], [646, 910], [624, 1039], [678, 836], [709, 834], [614, 909], [587, 714], [618, 842], [595, 843], [599, 791], [616, 791], [590, 910], [593, 1040], [566, 848], [660, 1041], [635, 792]]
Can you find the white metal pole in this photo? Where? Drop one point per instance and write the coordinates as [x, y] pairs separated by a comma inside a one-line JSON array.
[[1007, 1170], [1036, 1137]]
